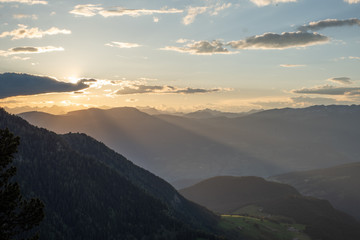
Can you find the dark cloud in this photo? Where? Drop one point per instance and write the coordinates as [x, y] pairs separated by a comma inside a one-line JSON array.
[[314, 26], [330, 90], [341, 80], [25, 49], [14, 84], [280, 41], [140, 89], [29, 50]]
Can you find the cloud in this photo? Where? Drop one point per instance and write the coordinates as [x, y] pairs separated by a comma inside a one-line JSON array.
[[29, 50], [201, 48], [262, 3], [20, 58], [119, 11], [316, 100], [89, 10], [24, 32], [280, 41], [354, 58], [352, 1], [122, 45], [341, 80], [15, 84], [29, 2], [291, 65], [192, 12], [22, 16], [130, 100], [182, 40], [141, 89], [314, 26], [86, 10], [213, 10], [329, 90]]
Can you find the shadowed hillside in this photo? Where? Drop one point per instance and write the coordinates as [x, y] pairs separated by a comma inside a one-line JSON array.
[[276, 202], [339, 185], [227, 194]]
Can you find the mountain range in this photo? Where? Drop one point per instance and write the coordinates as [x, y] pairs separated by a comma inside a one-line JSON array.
[[185, 150]]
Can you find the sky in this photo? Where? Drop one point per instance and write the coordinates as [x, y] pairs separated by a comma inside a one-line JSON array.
[[179, 55]]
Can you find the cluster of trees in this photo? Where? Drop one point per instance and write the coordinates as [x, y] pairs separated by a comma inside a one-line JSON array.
[[18, 216]]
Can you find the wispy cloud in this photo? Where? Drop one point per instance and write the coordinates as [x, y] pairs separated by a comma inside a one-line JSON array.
[[352, 1], [280, 41], [86, 10], [20, 58], [89, 10], [291, 65], [192, 12], [329, 90], [29, 2], [119, 11], [123, 45], [349, 57], [262, 3], [341, 80], [24, 32], [354, 58], [314, 26], [212, 9], [201, 48], [23, 16], [142, 89], [306, 101], [14, 84], [29, 50]]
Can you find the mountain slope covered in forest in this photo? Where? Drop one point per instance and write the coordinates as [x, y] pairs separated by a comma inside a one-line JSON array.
[[91, 192]]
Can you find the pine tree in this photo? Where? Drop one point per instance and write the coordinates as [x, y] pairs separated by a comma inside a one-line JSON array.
[[18, 216]]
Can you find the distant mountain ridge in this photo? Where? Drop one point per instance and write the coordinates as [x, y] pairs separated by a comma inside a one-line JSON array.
[[289, 139], [91, 192], [185, 150], [161, 147], [209, 113]]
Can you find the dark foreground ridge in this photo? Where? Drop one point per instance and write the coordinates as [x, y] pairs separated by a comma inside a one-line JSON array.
[[91, 192]]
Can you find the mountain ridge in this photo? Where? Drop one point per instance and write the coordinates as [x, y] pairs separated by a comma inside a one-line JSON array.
[[91, 198]]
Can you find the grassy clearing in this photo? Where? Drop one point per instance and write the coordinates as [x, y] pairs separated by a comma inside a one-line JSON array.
[[262, 228]]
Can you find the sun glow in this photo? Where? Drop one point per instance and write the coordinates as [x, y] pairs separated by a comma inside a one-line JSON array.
[[73, 79]]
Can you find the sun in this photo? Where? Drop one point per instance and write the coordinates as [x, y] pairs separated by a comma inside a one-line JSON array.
[[73, 79]]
